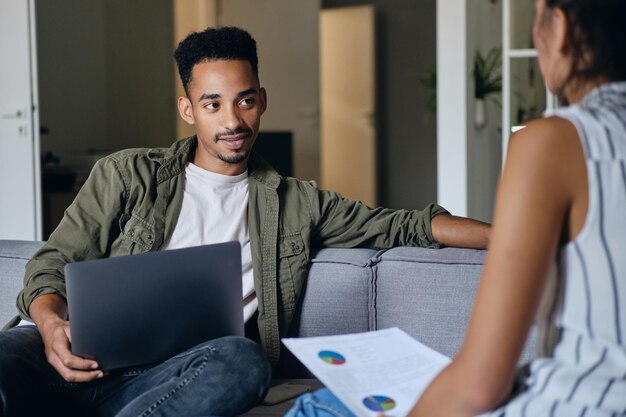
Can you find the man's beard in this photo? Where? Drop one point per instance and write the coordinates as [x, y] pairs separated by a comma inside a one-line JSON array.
[[234, 159]]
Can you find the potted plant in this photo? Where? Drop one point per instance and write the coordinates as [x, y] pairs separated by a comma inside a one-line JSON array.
[[487, 81]]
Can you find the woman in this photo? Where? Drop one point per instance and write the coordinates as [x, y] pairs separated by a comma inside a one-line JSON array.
[[562, 196]]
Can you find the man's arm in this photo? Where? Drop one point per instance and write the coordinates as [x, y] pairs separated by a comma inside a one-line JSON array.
[[460, 232], [86, 231], [346, 223], [49, 312]]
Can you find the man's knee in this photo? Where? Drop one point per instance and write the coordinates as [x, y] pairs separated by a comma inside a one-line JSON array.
[[18, 345], [246, 362], [21, 350], [239, 357], [245, 356]]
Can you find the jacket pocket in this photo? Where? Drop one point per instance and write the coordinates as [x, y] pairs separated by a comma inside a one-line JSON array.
[[137, 234], [292, 267]]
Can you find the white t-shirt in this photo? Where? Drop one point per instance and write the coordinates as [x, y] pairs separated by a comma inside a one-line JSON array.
[[215, 210]]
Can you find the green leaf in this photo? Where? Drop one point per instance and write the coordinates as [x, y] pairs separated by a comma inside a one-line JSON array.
[[487, 77]]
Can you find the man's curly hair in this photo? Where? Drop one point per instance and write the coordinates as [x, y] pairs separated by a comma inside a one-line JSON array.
[[227, 43]]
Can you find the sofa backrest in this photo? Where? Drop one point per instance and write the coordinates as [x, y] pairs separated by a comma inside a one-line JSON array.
[[13, 257], [428, 293]]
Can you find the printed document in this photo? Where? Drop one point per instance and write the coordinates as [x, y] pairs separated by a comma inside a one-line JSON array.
[[373, 373]]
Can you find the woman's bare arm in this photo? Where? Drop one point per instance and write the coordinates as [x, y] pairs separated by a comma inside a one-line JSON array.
[[545, 175]]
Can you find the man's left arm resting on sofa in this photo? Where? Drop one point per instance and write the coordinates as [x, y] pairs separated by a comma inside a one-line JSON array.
[[460, 232], [348, 223]]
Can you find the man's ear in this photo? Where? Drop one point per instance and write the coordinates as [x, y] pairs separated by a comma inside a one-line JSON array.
[[185, 109], [263, 98]]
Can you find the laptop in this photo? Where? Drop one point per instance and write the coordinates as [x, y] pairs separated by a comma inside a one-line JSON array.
[[135, 310]]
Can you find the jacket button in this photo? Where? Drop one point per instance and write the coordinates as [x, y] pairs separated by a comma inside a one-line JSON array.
[[131, 232]]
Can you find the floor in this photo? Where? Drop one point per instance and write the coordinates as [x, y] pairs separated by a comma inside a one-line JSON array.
[[279, 410]]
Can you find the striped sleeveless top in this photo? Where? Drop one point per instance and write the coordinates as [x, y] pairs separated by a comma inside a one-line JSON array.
[[586, 374]]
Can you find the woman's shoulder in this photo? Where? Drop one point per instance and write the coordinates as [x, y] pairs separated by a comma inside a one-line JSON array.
[[547, 138]]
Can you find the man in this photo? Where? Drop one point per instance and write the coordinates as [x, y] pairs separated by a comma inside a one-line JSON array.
[[204, 189]]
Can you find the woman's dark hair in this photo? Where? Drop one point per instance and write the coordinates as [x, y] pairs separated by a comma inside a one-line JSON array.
[[227, 43], [597, 34]]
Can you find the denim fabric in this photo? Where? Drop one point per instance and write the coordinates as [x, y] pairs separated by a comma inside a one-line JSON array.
[[222, 377], [321, 403]]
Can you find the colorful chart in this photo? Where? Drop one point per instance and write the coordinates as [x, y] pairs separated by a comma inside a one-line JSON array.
[[331, 357], [379, 403]]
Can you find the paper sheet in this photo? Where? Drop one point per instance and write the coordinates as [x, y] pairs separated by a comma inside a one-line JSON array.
[[384, 371]]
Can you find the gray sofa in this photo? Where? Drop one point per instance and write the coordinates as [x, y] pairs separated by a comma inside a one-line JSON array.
[[426, 292]]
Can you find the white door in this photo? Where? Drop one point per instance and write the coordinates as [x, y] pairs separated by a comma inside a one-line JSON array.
[[19, 126], [347, 91]]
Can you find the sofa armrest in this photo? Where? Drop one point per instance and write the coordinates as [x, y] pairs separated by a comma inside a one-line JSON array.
[[13, 257]]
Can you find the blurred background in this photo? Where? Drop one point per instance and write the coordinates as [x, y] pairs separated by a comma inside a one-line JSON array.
[[352, 94]]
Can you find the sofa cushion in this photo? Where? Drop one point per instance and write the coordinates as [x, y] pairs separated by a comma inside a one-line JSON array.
[[428, 293], [13, 257], [338, 296], [337, 300]]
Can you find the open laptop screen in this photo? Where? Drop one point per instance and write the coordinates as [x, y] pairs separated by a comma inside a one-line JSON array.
[[133, 310]]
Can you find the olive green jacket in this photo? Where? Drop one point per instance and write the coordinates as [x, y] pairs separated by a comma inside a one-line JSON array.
[[131, 201]]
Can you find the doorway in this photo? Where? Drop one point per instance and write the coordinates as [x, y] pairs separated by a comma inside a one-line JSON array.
[[347, 98], [20, 205]]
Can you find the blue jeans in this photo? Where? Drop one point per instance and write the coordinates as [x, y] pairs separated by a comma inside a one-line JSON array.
[[321, 403], [224, 377]]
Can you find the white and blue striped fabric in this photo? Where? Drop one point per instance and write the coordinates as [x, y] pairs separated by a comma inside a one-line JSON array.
[[586, 375]]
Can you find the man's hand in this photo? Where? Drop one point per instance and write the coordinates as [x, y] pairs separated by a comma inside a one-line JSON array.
[[49, 312], [460, 232]]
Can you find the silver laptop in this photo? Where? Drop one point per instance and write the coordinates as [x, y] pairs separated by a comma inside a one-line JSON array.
[[134, 310]]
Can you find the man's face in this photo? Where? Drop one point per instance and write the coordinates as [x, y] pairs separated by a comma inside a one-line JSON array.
[[225, 104]]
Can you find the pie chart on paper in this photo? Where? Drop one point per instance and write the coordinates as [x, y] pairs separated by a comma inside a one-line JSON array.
[[379, 403], [332, 358]]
